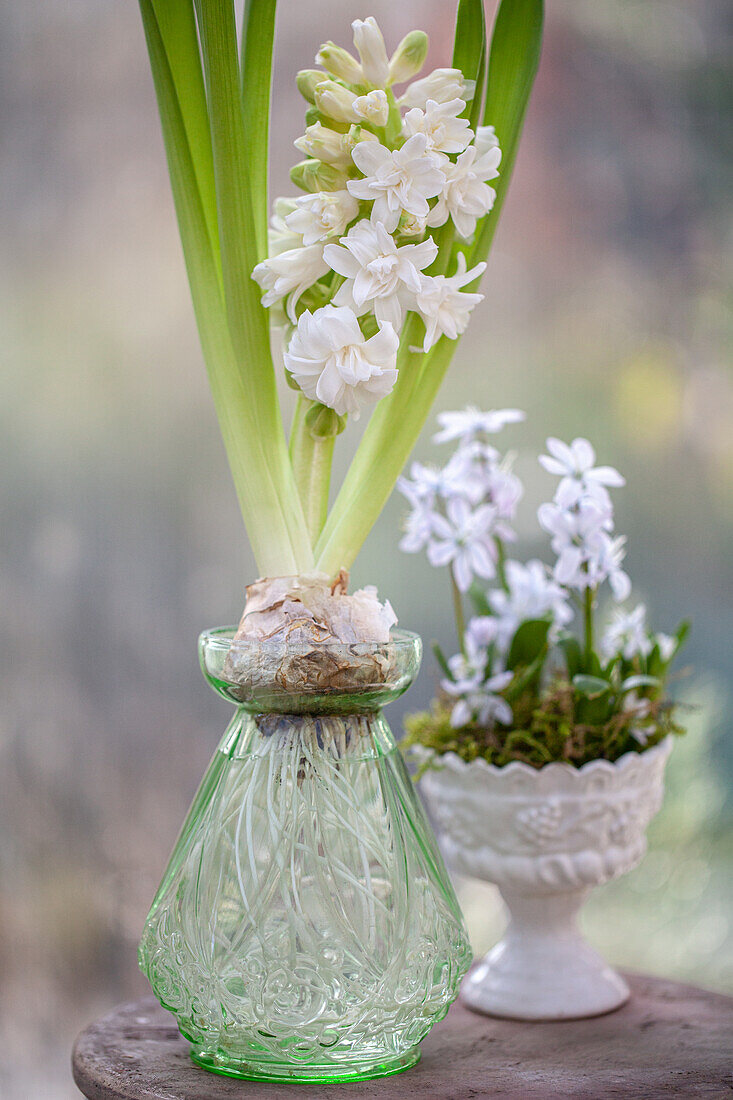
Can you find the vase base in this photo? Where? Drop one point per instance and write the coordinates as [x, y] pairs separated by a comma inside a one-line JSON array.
[[289, 1072], [569, 986]]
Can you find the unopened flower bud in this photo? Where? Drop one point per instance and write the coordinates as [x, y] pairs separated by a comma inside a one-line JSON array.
[[410, 225], [340, 63], [336, 101], [322, 422], [409, 57], [372, 108], [306, 81], [316, 175], [324, 143], [369, 42]]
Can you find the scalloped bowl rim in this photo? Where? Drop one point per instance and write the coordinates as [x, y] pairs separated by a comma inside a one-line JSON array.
[[518, 767]]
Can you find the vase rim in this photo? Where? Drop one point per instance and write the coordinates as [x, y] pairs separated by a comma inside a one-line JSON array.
[[279, 676], [222, 638]]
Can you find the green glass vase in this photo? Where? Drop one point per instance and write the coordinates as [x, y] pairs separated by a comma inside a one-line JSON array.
[[305, 928]]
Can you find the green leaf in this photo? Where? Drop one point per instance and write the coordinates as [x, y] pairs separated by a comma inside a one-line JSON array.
[[528, 643], [572, 652], [590, 686], [469, 51], [442, 662], [258, 37], [265, 487], [640, 681], [513, 61]]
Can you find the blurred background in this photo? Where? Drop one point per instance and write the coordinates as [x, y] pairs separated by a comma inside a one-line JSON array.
[[606, 314]]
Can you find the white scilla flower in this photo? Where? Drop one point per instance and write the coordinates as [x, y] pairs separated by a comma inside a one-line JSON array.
[[333, 363], [399, 181], [289, 274], [667, 645], [478, 702], [440, 85], [464, 539], [531, 594], [426, 483], [369, 42], [574, 464], [466, 195], [418, 529], [379, 275], [322, 215], [445, 131], [627, 635], [485, 139], [471, 423], [443, 306], [481, 633]]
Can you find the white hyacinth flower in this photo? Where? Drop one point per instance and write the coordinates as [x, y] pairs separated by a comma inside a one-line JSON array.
[[440, 85], [464, 539], [280, 238], [443, 306], [332, 361], [339, 103], [330, 146], [466, 195], [627, 634], [369, 42], [399, 181], [485, 139], [440, 122], [322, 215], [289, 274], [471, 423], [372, 108], [379, 275]]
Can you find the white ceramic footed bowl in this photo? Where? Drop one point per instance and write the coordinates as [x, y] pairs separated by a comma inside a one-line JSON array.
[[545, 836]]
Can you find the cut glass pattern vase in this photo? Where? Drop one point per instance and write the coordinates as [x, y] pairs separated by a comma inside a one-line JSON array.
[[305, 928]]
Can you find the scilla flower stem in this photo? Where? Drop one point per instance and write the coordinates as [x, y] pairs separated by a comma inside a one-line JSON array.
[[588, 598], [458, 611]]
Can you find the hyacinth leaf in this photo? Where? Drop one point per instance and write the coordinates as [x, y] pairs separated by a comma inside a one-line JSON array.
[[469, 51], [264, 484], [513, 61], [399, 418], [258, 38]]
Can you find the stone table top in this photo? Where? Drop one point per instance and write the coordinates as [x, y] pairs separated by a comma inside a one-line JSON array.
[[670, 1040]]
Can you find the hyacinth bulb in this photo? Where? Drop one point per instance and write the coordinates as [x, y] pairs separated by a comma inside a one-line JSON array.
[[305, 928]]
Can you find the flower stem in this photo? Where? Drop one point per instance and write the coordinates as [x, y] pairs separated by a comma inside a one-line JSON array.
[[458, 612], [312, 459], [501, 564], [588, 599]]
